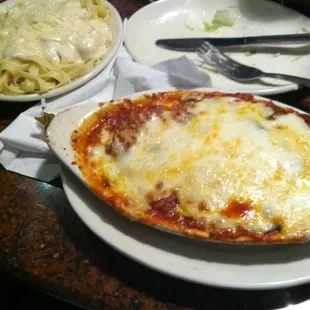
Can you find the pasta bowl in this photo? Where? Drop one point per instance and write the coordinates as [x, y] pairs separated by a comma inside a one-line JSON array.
[[116, 24]]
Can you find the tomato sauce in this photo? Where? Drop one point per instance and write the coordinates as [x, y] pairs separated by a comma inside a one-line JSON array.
[[237, 209]]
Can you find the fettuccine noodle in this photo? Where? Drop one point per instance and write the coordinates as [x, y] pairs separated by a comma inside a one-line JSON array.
[[33, 73]]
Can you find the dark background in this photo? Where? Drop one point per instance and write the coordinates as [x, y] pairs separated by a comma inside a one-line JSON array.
[[15, 296]]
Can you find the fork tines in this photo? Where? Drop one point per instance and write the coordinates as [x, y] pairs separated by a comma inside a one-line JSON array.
[[215, 58], [211, 54]]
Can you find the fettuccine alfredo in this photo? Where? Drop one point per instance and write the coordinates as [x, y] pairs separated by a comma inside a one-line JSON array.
[[45, 44]]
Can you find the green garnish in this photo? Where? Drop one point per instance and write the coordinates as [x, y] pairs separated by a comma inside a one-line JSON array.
[[211, 27], [222, 18]]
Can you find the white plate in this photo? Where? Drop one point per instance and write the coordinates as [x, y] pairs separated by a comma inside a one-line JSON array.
[[114, 46], [248, 267], [168, 19]]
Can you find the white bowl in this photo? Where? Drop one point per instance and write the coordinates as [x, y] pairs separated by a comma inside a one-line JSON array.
[[114, 46]]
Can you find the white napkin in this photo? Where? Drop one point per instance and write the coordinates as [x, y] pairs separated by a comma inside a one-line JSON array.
[[22, 146]]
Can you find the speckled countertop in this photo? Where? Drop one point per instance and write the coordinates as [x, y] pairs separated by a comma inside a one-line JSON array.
[[44, 245]]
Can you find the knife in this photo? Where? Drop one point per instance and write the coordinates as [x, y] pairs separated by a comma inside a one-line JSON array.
[[191, 44]]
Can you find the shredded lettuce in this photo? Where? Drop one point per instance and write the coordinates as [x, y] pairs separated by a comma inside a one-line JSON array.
[[222, 18], [211, 27]]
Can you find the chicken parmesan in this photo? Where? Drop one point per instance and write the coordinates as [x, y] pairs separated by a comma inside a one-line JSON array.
[[208, 165]]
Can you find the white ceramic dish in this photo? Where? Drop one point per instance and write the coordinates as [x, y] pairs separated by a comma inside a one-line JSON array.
[[248, 267], [168, 19], [243, 267], [114, 46]]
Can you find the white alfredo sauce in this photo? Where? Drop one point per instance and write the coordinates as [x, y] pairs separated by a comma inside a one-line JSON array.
[[53, 30]]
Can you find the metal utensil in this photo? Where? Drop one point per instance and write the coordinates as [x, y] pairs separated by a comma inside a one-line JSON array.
[[191, 44], [237, 71]]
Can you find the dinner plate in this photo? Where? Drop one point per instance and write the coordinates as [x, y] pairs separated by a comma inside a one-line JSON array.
[[112, 50], [231, 266], [235, 266], [174, 18]]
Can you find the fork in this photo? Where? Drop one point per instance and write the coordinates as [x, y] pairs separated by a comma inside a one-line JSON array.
[[237, 71]]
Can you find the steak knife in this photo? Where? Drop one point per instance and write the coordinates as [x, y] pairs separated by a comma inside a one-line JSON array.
[[191, 44]]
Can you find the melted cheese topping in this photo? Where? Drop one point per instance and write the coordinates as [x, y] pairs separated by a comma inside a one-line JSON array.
[[228, 151], [54, 30]]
